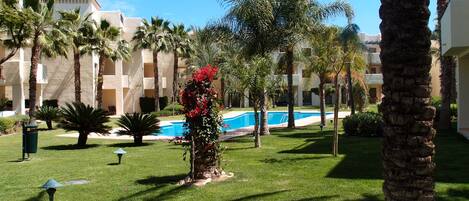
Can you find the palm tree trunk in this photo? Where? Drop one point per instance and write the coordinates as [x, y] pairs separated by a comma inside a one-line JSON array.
[[138, 139], [156, 81], [35, 56], [335, 143], [76, 68], [175, 76], [408, 147], [82, 139], [291, 104], [49, 124], [257, 137], [264, 130], [322, 101], [447, 67], [350, 88], [99, 90]]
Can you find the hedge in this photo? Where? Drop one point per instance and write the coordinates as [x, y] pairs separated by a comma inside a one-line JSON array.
[[366, 124]]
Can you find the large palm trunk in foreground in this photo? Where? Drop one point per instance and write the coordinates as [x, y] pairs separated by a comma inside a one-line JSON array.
[[76, 69], [408, 147], [35, 56], [156, 81], [447, 68], [291, 104]]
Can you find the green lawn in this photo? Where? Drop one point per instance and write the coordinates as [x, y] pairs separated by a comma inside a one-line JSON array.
[[291, 165]]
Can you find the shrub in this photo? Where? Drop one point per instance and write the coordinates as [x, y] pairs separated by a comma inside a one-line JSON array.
[[47, 114], [3, 104], [178, 109], [454, 111], [84, 119], [51, 103], [163, 113], [366, 124], [138, 125], [7, 124], [147, 105], [163, 102]]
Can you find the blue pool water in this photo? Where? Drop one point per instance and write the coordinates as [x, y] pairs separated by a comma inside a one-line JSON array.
[[176, 129]]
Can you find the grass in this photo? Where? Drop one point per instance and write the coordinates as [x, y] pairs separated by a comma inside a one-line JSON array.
[[291, 165]]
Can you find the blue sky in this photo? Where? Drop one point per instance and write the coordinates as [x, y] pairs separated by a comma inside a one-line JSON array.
[[199, 12]]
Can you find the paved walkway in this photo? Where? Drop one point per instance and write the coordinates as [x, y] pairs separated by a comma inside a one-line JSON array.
[[240, 132]]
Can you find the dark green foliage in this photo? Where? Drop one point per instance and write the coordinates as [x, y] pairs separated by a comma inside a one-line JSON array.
[[7, 124], [51, 103], [47, 114], [177, 108], [84, 119], [147, 104], [366, 124], [360, 96], [164, 102], [163, 113], [138, 125], [3, 104]]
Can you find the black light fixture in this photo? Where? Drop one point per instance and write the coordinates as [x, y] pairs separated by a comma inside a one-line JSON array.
[[51, 186], [120, 152]]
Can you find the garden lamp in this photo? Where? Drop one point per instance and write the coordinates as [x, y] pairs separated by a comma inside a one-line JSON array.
[[120, 152], [321, 126], [51, 186]]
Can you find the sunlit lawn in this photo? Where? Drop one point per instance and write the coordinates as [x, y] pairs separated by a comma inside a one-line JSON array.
[[291, 165]]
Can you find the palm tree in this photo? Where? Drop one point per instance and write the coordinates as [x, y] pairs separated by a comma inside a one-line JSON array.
[[154, 36], [105, 42], [13, 21], [447, 75], [349, 39], [408, 147], [138, 125], [84, 119], [181, 47], [80, 30], [293, 19], [48, 114], [47, 39]]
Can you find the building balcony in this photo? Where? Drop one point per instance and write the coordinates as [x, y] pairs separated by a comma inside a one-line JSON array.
[[373, 58], [149, 83], [374, 79], [41, 75], [454, 29], [115, 81]]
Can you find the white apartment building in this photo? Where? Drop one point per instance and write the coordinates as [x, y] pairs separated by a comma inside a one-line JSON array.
[[124, 81]]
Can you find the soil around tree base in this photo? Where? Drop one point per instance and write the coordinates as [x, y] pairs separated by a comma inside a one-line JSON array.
[[223, 176]]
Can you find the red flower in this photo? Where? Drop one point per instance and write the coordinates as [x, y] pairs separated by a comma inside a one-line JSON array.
[[206, 73]]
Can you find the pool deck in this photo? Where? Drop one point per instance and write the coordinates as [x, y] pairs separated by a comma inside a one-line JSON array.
[[237, 133]]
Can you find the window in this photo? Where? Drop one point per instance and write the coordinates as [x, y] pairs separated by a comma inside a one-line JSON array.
[[307, 98]]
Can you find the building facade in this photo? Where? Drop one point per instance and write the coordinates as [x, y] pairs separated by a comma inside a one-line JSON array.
[[124, 81]]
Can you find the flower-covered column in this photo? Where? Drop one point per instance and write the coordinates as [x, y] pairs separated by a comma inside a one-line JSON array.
[[203, 124]]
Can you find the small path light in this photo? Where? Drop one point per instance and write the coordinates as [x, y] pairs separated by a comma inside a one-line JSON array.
[[51, 186], [120, 152], [321, 126]]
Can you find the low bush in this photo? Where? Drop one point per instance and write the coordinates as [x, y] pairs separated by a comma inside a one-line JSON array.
[[163, 113], [51, 103], [454, 111], [3, 104], [11, 124], [48, 114], [147, 105], [366, 124], [178, 109]]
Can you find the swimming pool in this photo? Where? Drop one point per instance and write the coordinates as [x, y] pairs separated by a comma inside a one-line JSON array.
[[176, 128]]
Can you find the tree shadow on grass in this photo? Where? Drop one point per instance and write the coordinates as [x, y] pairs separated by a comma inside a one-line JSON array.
[[454, 194], [318, 198], [290, 160], [158, 183], [40, 196], [362, 156], [128, 144], [70, 147], [260, 196]]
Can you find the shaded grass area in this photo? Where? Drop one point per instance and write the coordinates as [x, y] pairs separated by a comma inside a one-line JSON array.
[[292, 165]]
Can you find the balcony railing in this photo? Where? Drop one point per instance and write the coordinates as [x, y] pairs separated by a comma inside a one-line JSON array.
[[372, 79]]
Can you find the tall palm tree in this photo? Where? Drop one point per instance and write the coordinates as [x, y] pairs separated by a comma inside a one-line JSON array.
[[349, 39], [181, 47], [13, 21], [447, 76], [107, 45], [154, 36], [293, 19], [47, 39], [80, 30], [408, 147]]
